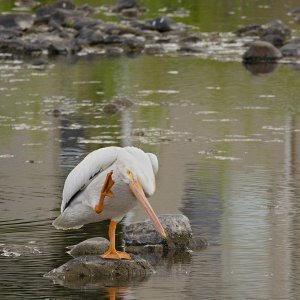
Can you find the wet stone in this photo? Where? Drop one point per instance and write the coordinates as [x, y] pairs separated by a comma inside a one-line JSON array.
[[21, 21], [16, 250], [18, 46], [125, 4], [109, 271], [191, 48], [261, 51], [44, 13], [275, 39], [177, 227], [291, 49], [93, 246]]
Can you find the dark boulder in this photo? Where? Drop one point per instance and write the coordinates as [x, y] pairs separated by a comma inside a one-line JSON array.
[[260, 51]]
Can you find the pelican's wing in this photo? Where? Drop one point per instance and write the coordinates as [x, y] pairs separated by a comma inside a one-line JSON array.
[[80, 177]]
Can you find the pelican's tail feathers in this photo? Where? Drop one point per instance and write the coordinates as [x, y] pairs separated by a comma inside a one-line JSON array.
[[63, 223]]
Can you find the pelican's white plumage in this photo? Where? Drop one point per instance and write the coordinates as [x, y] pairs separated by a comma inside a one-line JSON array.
[[98, 160], [83, 185]]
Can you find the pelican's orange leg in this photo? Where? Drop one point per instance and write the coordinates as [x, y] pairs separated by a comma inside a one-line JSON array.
[[112, 253], [105, 192]]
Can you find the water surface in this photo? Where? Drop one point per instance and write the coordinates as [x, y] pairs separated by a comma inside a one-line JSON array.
[[228, 147]]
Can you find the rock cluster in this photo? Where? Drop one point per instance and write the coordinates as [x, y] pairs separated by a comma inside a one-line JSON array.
[[62, 28], [139, 238], [274, 42]]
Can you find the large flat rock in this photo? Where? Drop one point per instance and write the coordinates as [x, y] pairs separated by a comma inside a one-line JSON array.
[[92, 268]]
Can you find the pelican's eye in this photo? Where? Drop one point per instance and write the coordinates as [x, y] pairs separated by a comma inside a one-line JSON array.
[[130, 175]]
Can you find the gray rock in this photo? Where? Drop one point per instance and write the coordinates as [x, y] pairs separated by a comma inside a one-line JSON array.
[[177, 227], [275, 39], [44, 13], [63, 48], [191, 48], [275, 27], [249, 30], [19, 47], [20, 21], [261, 51], [113, 52], [125, 4], [84, 269], [191, 38], [85, 23], [292, 48], [93, 246], [89, 36], [153, 49], [133, 45], [130, 13]]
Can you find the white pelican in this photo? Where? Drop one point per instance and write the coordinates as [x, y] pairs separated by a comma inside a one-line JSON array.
[[104, 186]]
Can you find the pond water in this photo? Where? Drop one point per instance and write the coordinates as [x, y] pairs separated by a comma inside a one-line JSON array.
[[228, 145]]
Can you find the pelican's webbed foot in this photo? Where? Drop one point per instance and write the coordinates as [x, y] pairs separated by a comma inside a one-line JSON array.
[[114, 254]]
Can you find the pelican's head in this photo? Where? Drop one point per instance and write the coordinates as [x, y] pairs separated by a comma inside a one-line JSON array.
[[139, 174]]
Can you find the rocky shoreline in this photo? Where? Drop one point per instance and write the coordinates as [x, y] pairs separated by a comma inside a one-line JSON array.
[[62, 28]]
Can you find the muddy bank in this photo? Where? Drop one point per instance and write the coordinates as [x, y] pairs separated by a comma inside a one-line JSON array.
[[62, 28]]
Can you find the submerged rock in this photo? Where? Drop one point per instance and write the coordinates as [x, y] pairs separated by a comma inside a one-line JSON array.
[[93, 246], [177, 227], [117, 105], [261, 51], [16, 250], [84, 269]]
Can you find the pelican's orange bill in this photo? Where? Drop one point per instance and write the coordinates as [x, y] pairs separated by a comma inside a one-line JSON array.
[[141, 197]]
